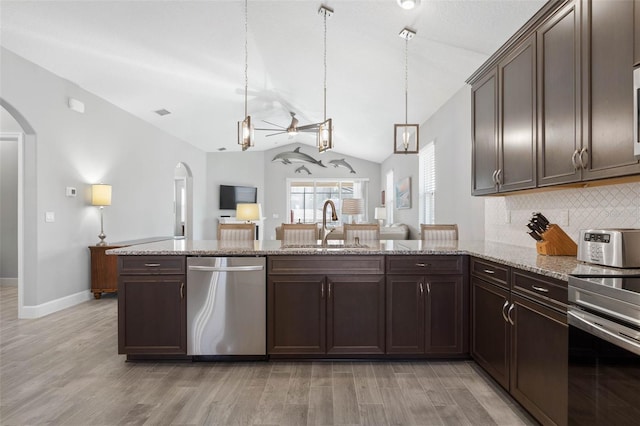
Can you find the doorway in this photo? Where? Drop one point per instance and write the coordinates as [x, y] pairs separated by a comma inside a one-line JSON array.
[[183, 201]]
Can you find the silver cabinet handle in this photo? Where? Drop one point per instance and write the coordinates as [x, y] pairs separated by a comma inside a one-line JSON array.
[[151, 265], [504, 310], [493, 177], [489, 271], [423, 265], [226, 268], [182, 290], [509, 313], [329, 296], [499, 176], [540, 289], [428, 288], [574, 160], [322, 291], [583, 162], [421, 289]]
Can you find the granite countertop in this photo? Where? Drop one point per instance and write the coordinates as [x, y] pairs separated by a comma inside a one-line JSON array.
[[559, 267]]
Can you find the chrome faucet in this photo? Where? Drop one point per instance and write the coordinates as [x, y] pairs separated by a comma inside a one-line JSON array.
[[334, 216]]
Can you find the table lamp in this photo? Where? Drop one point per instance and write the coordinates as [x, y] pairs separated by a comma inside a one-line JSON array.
[[380, 213], [248, 211], [352, 206], [101, 196]]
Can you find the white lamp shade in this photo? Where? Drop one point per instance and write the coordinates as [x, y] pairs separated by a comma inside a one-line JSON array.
[[380, 213], [352, 206], [101, 195], [248, 211]]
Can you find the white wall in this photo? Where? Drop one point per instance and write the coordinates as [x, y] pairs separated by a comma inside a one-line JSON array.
[[450, 128], [105, 144]]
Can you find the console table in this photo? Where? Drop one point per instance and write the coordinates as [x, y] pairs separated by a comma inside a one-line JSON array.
[[104, 269]]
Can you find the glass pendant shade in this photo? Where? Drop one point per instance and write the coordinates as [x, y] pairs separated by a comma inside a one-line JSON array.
[[325, 136], [406, 138], [245, 133]]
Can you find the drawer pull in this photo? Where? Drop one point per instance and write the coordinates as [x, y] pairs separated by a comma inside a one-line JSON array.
[[423, 265], [489, 271], [540, 289], [151, 265]]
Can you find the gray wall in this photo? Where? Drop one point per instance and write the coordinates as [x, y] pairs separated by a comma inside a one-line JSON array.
[[105, 144], [450, 127], [256, 168], [8, 208]]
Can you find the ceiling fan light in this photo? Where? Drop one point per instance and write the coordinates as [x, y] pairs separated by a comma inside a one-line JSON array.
[[408, 4], [325, 136], [246, 133]]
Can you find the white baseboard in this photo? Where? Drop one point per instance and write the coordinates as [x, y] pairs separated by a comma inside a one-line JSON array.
[[9, 281], [37, 311]]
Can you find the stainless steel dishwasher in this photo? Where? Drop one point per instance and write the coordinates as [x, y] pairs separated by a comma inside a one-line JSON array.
[[226, 306]]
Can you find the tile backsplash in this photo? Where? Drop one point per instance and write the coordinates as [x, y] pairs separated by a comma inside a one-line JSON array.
[[573, 209]]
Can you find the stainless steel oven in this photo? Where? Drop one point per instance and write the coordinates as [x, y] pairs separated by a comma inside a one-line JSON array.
[[604, 350], [636, 112]]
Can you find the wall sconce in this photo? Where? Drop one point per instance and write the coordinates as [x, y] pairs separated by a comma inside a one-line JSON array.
[[101, 197]]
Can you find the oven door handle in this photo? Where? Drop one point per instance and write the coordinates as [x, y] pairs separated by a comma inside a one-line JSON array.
[[621, 338]]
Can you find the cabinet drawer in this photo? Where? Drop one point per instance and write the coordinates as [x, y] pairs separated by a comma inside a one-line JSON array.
[[546, 290], [490, 271], [151, 265], [352, 265], [428, 264]]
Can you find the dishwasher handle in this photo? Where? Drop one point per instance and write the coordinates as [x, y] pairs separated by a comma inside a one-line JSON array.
[[226, 268]]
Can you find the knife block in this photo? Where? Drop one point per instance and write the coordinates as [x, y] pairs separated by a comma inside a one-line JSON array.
[[556, 243]]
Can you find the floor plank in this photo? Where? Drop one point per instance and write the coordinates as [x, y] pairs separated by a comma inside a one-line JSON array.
[[64, 369]]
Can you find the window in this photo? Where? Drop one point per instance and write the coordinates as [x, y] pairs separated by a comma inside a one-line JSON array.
[[305, 197], [427, 170], [389, 195]]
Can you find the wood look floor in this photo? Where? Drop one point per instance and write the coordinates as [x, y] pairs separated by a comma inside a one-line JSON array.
[[64, 370]]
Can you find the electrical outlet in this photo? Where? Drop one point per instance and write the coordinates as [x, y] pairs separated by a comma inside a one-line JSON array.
[[49, 217], [276, 216], [70, 191]]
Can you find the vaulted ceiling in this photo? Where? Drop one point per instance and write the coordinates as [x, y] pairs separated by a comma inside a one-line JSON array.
[[188, 57]]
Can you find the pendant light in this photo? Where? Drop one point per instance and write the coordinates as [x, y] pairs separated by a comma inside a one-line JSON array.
[[405, 138], [325, 129], [245, 127]]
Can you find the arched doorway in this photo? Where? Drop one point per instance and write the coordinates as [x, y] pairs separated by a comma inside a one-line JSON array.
[[183, 201]]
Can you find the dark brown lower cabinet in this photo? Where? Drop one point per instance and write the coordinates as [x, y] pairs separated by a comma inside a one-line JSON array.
[[152, 315], [427, 315], [539, 360], [490, 332], [318, 315]]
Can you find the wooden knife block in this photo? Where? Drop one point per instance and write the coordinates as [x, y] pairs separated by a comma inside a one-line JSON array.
[[556, 243]]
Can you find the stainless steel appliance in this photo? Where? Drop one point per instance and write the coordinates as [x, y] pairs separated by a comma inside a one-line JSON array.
[[619, 248], [604, 350], [636, 112], [226, 306]]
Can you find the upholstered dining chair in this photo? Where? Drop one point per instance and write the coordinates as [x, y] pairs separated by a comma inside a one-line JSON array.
[[438, 232], [363, 231], [236, 232], [299, 233]]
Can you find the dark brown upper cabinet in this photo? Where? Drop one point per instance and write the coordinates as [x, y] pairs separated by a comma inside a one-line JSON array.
[[607, 95], [484, 98], [559, 103]]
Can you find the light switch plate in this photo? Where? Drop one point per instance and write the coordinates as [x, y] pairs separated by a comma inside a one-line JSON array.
[[49, 217]]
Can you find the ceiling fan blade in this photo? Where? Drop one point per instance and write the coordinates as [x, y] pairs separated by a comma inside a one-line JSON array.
[[274, 124], [278, 133], [308, 127]]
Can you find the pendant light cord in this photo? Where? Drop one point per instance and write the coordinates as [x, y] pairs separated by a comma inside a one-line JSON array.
[[325, 66], [406, 81], [246, 56]]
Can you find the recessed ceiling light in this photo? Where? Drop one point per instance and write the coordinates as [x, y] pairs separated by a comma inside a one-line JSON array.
[[408, 4], [162, 112]]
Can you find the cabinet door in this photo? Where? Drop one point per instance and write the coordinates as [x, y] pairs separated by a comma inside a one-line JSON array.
[[484, 131], [446, 321], [539, 361], [152, 314], [517, 137], [355, 314], [296, 315], [490, 332], [608, 55], [559, 97], [405, 314]]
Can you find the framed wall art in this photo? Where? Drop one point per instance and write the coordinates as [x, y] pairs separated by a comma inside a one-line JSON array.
[[403, 193]]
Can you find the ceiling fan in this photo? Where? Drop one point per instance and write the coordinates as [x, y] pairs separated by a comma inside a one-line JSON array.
[[292, 129]]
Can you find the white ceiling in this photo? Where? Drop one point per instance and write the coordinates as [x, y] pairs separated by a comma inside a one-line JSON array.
[[188, 57]]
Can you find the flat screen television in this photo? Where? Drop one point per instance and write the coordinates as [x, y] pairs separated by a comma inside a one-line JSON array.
[[232, 195]]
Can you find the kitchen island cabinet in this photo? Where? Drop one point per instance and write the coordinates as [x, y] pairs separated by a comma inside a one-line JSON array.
[[427, 313], [152, 305]]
